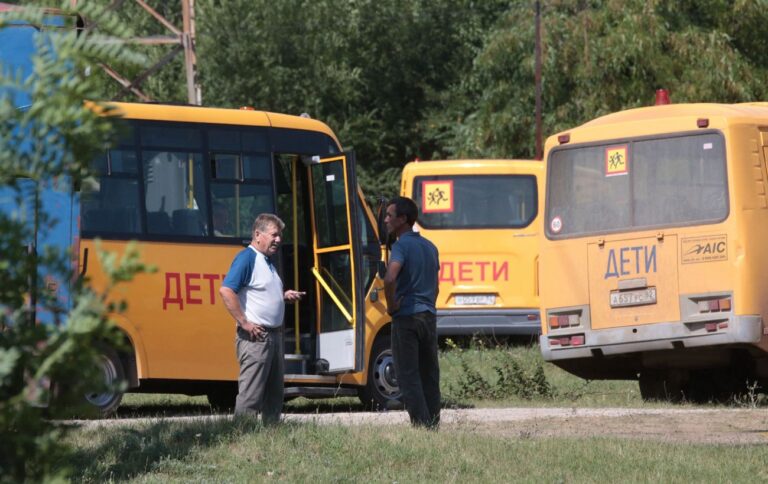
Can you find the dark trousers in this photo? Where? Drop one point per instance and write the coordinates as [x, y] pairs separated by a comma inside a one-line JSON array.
[[414, 347]]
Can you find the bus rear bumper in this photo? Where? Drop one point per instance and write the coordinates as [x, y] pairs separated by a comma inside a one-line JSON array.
[[653, 337], [455, 322]]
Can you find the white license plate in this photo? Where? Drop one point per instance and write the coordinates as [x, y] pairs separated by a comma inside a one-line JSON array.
[[475, 299], [638, 297]]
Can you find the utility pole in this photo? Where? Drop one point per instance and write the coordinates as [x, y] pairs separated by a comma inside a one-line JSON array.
[[181, 39], [537, 81]]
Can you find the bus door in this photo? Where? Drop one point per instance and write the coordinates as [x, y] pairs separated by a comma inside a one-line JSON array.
[[337, 250]]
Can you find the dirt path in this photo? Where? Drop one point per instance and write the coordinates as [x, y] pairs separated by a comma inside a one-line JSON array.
[[716, 426], [722, 426]]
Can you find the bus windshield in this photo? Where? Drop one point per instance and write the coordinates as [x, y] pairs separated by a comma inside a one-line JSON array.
[[476, 201], [634, 184]]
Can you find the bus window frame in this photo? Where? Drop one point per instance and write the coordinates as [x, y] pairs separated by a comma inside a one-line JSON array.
[[630, 141]]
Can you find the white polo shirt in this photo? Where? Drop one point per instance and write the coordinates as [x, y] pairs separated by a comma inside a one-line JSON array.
[[258, 286]]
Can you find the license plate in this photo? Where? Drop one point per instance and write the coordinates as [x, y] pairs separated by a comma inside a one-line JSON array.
[[475, 299], [638, 297]]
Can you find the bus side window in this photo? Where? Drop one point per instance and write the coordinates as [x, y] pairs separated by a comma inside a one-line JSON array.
[[98, 220], [158, 223], [111, 206], [187, 221]]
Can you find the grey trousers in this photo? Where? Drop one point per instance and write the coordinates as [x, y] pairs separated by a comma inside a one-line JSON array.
[[414, 348], [260, 385]]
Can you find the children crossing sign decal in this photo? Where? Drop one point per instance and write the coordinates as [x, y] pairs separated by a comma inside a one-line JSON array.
[[616, 161], [437, 196]]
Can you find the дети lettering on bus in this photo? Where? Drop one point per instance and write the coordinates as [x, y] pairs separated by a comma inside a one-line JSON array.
[[625, 261], [466, 271]]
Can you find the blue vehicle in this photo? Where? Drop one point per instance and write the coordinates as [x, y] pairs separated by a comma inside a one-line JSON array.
[[28, 200]]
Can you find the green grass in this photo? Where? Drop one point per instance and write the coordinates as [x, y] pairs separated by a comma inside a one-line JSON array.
[[481, 357], [567, 390], [478, 355], [228, 450], [243, 451]]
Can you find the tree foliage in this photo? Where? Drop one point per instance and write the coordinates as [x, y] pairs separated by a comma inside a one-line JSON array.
[[600, 57], [400, 79], [372, 70], [48, 146]]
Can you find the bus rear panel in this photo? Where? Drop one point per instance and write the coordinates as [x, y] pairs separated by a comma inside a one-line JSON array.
[[650, 263], [483, 216]]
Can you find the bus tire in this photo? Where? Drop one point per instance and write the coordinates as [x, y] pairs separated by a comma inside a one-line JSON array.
[[113, 373], [381, 391]]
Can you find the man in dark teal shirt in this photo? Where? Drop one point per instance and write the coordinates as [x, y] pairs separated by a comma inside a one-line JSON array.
[[411, 287]]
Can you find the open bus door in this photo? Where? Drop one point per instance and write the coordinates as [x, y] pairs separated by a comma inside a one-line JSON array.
[[337, 255]]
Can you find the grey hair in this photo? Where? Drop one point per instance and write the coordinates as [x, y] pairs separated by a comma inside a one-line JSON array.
[[264, 220]]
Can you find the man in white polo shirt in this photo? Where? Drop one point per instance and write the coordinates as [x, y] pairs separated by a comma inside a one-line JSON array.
[[253, 294]]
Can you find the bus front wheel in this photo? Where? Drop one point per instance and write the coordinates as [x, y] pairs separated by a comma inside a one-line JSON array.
[[109, 395], [381, 392]]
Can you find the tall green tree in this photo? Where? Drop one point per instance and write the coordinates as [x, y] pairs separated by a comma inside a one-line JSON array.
[[372, 70], [600, 57]]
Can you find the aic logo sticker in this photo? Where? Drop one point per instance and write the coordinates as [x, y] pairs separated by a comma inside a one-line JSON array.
[[704, 249]]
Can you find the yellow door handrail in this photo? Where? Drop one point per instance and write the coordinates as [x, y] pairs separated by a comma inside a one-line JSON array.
[[331, 293]]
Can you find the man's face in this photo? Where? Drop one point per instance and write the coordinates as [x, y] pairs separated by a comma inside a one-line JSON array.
[[392, 220], [268, 241]]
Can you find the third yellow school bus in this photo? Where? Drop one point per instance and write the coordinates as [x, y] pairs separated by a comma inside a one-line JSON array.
[[653, 258], [484, 217]]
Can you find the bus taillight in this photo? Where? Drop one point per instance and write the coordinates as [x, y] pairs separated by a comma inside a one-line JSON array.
[[564, 321], [715, 305], [572, 340]]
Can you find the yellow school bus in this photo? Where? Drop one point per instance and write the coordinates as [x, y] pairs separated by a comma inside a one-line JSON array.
[[652, 258], [187, 183], [483, 215]]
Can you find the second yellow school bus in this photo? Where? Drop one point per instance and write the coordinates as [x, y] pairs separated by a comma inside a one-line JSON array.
[[484, 217], [653, 258]]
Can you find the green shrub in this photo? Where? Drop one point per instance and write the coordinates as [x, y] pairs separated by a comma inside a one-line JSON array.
[[512, 380]]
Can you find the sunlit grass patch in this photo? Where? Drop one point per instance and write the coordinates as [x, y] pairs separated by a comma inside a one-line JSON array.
[[241, 450]]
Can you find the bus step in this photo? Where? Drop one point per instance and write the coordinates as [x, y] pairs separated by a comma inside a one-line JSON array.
[[323, 392]]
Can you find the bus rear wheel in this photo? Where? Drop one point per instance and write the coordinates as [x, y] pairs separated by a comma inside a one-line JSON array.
[[381, 392]]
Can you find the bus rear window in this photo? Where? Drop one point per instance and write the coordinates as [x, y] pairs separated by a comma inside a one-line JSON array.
[[475, 201], [636, 184]]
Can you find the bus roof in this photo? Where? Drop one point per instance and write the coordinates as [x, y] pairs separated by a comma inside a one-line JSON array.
[[240, 117], [482, 166], [666, 118], [743, 110]]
